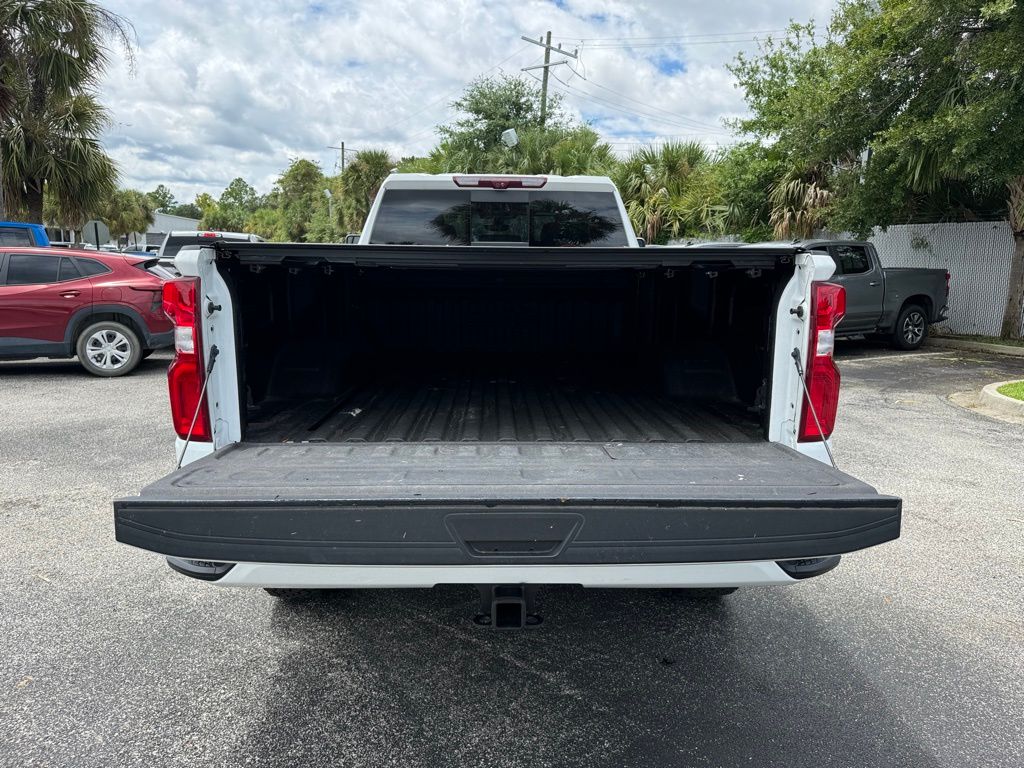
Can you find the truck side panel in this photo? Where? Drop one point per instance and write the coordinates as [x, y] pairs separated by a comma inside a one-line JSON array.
[[926, 287]]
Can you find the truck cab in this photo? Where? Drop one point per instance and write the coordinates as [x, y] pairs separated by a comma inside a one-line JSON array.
[[20, 234], [498, 211]]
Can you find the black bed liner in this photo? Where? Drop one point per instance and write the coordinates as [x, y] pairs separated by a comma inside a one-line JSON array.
[[488, 409], [500, 503]]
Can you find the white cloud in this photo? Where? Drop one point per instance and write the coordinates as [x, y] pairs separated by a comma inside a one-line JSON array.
[[225, 89]]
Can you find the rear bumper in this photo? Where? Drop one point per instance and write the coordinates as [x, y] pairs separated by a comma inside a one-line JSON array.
[[689, 575]]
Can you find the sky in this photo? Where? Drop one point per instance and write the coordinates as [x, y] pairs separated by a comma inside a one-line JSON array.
[[226, 89]]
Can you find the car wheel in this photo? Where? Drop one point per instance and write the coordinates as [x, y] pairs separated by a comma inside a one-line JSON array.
[[911, 328], [108, 348], [709, 593]]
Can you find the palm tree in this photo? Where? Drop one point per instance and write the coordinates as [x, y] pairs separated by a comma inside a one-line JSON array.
[[126, 211], [798, 204], [669, 190], [52, 53], [360, 182], [581, 152]]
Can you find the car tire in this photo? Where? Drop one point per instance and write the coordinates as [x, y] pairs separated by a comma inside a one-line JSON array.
[[108, 348], [709, 593], [911, 328], [293, 595]]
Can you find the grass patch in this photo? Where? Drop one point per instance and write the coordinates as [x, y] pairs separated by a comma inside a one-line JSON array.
[[1014, 389], [983, 339]]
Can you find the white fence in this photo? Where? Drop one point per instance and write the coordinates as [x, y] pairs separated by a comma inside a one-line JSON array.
[[977, 255]]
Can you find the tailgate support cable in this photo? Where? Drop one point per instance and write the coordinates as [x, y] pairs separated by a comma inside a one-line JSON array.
[[814, 411], [214, 351]]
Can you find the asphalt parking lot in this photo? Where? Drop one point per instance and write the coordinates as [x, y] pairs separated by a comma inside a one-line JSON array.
[[911, 654]]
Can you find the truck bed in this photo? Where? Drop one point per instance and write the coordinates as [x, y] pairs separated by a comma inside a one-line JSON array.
[[473, 408]]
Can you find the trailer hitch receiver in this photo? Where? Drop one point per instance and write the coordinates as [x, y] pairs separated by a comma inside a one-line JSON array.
[[507, 606]]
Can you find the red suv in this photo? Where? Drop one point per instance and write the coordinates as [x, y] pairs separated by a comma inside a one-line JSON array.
[[103, 307]]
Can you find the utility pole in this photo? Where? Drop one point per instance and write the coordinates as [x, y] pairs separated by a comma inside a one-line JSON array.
[[545, 43], [544, 82], [341, 153]]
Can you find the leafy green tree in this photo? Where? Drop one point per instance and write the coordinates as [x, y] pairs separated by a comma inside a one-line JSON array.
[[52, 53], [236, 204], [241, 195], [558, 150], [931, 87], [359, 185], [209, 211], [298, 195], [267, 223], [161, 198], [126, 211], [491, 105], [745, 174], [188, 210]]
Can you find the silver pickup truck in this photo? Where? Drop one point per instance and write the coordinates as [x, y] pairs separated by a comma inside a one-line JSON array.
[[896, 303]]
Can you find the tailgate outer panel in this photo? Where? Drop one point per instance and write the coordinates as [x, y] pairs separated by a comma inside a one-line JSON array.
[[506, 503]]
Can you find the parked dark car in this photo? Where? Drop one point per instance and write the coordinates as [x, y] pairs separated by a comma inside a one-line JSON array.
[[899, 304], [103, 307]]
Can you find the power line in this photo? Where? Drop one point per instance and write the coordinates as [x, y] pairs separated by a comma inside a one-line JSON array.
[[684, 37], [633, 112], [341, 153], [691, 121], [449, 95], [546, 44], [609, 46], [432, 126]]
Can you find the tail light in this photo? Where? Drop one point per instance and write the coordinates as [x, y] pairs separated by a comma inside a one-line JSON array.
[[185, 375], [947, 284], [829, 303]]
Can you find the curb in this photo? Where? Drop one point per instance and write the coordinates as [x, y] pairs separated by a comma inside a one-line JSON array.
[[975, 346], [1001, 403]]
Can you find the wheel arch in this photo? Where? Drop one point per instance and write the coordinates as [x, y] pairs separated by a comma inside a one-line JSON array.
[[96, 313], [922, 300]]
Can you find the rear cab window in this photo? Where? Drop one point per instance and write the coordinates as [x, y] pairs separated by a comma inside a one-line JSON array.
[[851, 259], [15, 236], [541, 218]]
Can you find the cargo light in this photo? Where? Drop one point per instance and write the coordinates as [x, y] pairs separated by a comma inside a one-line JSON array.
[[185, 376], [822, 375], [501, 182]]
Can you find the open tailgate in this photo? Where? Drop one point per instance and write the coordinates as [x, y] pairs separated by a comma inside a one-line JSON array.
[[445, 503]]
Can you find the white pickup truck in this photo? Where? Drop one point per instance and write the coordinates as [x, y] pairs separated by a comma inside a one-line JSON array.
[[496, 386]]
